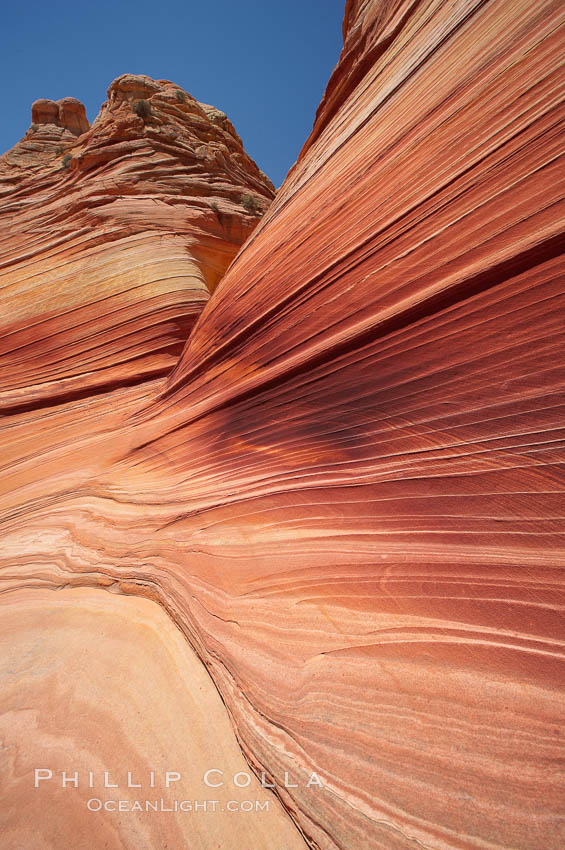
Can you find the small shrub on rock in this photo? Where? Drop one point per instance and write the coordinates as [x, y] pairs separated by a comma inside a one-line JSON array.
[[66, 161], [180, 96], [251, 204], [142, 108]]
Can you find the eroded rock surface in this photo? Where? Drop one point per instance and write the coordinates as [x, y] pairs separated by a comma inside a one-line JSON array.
[[56, 703], [113, 236], [348, 492]]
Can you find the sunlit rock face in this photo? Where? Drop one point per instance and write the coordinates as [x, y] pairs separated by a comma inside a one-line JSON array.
[[348, 492], [103, 743], [113, 236]]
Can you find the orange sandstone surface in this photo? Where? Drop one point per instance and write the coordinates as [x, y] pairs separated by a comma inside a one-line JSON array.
[[346, 492], [150, 728], [113, 236]]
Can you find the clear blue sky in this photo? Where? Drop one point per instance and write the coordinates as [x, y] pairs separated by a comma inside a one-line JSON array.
[[264, 62]]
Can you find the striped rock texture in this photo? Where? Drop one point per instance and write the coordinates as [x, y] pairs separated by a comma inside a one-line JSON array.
[[59, 710], [113, 236], [348, 492]]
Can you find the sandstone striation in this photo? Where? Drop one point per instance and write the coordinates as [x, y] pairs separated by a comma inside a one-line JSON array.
[[54, 661], [347, 494], [113, 236]]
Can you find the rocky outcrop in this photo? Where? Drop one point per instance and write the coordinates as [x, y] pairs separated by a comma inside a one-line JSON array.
[[347, 493], [55, 124], [113, 236], [68, 114]]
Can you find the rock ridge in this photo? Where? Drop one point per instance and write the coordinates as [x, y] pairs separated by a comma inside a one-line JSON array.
[[113, 236]]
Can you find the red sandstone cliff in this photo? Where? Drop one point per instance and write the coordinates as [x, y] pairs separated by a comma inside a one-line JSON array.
[[348, 492], [113, 236]]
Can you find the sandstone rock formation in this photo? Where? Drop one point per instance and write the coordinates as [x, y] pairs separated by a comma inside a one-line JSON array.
[[348, 492], [112, 239], [54, 667]]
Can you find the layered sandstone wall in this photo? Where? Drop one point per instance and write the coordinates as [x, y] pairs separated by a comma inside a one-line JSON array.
[[348, 492], [113, 236]]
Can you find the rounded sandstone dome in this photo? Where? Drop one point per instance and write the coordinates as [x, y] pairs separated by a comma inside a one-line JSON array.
[[44, 111], [72, 115], [132, 87]]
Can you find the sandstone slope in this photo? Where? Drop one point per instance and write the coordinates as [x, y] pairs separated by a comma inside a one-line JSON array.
[[348, 492], [113, 236]]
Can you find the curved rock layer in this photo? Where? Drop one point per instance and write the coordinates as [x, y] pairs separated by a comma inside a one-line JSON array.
[[113, 236], [348, 493], [54, 660]]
